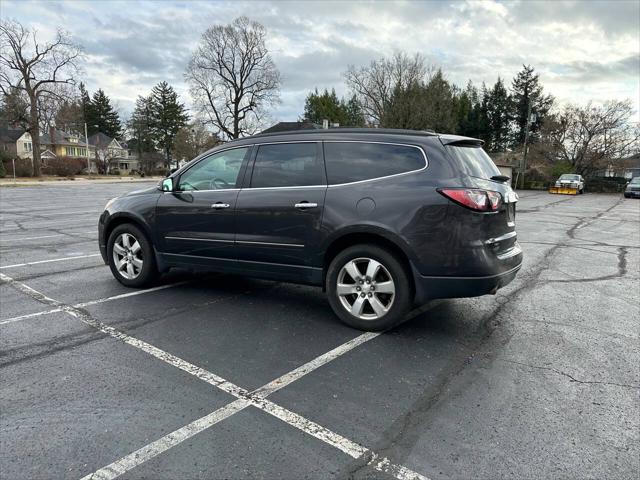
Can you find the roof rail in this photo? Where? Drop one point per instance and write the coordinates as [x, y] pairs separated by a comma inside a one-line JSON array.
[[372, 131]]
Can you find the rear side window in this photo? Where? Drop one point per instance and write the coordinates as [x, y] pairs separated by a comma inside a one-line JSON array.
[[352, 162], [287, 165], [474, 161]]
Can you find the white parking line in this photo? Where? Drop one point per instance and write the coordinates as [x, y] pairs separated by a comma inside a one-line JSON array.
[[89, 303], [20, 239], [257, 399], [163, 444], [74, 257]]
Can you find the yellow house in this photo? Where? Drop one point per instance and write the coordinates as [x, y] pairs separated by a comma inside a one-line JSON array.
[[65, 144]]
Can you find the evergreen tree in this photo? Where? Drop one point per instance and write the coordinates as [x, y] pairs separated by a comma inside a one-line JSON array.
[[168, 117], [498, 114], [439, 104], [85, 105], [140, 127], [327, 106], [406, 108], [101, 117], [354, 113], [526, 88]]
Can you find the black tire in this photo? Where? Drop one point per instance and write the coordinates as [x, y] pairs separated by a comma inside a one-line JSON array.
[[149, 272], [393, 268]]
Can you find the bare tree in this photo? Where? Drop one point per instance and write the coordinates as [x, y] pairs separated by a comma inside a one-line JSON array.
[[105, 158], [35, 68], [588, 138], [51, 101], [233, 77], [374, 85]]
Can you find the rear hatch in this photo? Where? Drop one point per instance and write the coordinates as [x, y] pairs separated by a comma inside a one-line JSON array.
[[497, 230]]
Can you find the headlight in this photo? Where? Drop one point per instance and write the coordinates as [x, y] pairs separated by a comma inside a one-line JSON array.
[[558, 184], [106, 207]]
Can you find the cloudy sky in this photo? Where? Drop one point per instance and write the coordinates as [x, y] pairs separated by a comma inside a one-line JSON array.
[[583, 50]]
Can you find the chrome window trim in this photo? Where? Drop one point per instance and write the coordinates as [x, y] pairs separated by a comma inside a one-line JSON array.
[[328, 185], [424, 155]]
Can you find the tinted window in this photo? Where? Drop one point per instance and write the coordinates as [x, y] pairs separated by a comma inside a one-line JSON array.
[[352, 162], [219, 171], [287, 165], [474, 161]]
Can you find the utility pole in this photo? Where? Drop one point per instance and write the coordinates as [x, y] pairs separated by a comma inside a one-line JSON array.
[[86, 139], [526, 141]]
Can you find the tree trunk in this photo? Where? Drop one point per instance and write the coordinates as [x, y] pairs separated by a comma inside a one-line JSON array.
[[35, 134]]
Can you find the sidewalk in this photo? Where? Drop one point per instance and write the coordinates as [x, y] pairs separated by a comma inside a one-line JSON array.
[[28, 182]]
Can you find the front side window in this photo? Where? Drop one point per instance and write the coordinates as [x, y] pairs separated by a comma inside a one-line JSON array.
[[218, 172], [287, 165], [353, 162]]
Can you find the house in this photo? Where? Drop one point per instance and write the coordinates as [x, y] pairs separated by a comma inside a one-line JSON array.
[[16, 143], [111, 154], [628, 168], [64, 144], [291, 126]]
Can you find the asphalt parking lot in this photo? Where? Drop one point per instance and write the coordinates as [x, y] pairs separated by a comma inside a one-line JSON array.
[[223, 377]]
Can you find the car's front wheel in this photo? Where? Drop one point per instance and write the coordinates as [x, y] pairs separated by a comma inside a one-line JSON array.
[[368, 288], [131, 257]]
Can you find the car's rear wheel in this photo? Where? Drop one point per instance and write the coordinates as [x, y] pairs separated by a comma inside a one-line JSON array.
[[130, 256], [368, 288]]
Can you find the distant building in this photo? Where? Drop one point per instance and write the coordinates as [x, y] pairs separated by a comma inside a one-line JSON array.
[[64, 144], [111, 151], [628, 168], [16, 143]]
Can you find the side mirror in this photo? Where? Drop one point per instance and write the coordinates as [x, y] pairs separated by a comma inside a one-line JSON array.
[[166, 185]]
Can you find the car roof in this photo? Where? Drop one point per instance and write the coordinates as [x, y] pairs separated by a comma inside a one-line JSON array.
[[388, 134]]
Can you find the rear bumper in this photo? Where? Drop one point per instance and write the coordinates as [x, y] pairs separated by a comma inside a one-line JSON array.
[[430, 288]]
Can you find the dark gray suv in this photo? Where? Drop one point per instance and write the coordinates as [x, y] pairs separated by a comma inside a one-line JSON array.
[[381, 219]]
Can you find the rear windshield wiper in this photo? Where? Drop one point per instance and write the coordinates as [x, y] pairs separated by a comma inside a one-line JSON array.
[[501, 178]]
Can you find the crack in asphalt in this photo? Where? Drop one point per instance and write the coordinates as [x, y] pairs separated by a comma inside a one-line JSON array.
[[622, 271], [67, 342], [397, 440], [569, 376]]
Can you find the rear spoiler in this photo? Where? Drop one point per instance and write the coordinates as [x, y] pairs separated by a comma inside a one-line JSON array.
[[457, 141]]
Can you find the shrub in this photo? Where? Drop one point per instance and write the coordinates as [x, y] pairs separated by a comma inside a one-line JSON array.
[[63, 166], [605, 184], [3, 172], [24, 167]]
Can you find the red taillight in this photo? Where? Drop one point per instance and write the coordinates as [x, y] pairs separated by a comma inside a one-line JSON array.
[[475, 199]]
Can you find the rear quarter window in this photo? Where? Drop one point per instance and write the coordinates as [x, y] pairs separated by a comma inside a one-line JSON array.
[[354, 161], [474, 161]]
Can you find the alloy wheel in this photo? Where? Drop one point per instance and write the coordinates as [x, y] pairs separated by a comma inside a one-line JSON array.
[[127, 256], [365, 288]]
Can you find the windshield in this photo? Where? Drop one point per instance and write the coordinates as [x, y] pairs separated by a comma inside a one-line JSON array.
[[635, 181], [567, 176], [474, 161]]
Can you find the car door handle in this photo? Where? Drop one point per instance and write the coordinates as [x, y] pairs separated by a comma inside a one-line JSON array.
[[220, 205], [304, 205]]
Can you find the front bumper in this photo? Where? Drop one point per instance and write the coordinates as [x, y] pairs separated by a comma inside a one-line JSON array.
[[632, 194], [102, 241], [431, 288]]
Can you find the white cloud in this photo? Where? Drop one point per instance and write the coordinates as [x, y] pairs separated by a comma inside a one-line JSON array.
[[582, 50]]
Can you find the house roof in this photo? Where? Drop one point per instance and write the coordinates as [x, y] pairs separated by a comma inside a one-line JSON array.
[[9, 135], [100, 139], [291, 126], [60, 137]]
